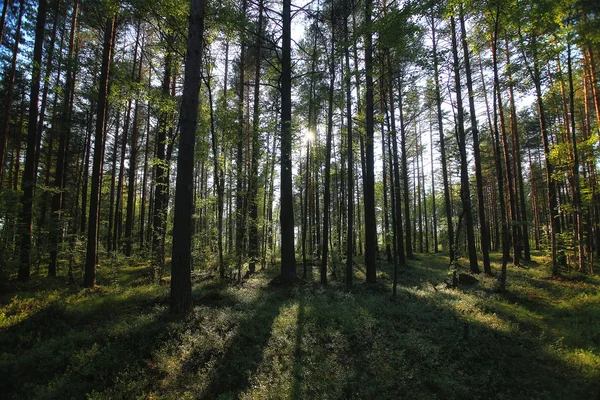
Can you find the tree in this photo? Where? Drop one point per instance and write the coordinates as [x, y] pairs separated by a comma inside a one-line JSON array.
[[89, 279], [29, 173], [369, 177]]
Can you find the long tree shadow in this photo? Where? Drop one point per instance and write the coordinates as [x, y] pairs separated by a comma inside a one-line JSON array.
[[297, 372], [231, 374]]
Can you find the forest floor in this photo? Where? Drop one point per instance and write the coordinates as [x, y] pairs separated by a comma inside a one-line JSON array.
[[254, 341]]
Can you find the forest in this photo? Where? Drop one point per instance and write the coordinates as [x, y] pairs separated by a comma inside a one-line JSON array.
[[329, 199]]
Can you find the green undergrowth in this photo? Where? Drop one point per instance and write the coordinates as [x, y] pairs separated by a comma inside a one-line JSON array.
[[540, 340]]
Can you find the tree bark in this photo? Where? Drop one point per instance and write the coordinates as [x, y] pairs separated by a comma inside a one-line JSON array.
[[11, 87], [369, 179], [29, 174], [89, 279], [483, 226], [181, 279], [288, 259]]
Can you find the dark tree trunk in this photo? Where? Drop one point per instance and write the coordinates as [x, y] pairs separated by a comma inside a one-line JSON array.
[[498, 160], [507, 159], [89, 279], [161, 199], [465, 193], [133, 150], [288, 259], [443, 161], [253, 192], [369, 179], [3, 20], [350, 158], [483, 226], [327, 195], [11, 86], [576, 186], [181, 279], [404, 171], [240, 195], [29, 173], [65, 132]]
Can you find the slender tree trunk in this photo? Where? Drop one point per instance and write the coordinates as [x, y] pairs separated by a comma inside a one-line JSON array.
[[3, 20], [161, 194], [253, 190], [433, 199], [29, 173], [386, 223], [350, 158], [498, 160], [483, 226], [65, 132], [404, 161], [113, 182], [507, 159], [133, 149], [89, 279], [576, 184], [465, 194], [438, 100], [327, 195], [142, 234], [240, 194], [369, 179], [11, 87], [523, 230], [86, 170], [288, 259]]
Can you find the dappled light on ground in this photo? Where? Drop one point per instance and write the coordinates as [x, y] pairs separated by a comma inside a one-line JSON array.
[[255, 341]]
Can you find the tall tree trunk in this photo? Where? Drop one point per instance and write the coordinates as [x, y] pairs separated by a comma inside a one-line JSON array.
[[288, 259], [3, 20], [498, 160], [29, 173], [133, 149], [386, 223], [161, 194], [575, 172], [465, 193], [483, 226], [11, 87], [86, 170], [58, 197], [400, 255], [113, 182], [438, 101], [89, 279], [521, 211], [349, 155], [404, 161], [433, 199], [253, 192], [181, 279], [327, 195], [142, 234], [369, 179], [240, 194], [506, 153]]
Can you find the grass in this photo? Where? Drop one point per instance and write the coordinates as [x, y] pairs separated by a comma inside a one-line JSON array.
[[540, 340]]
